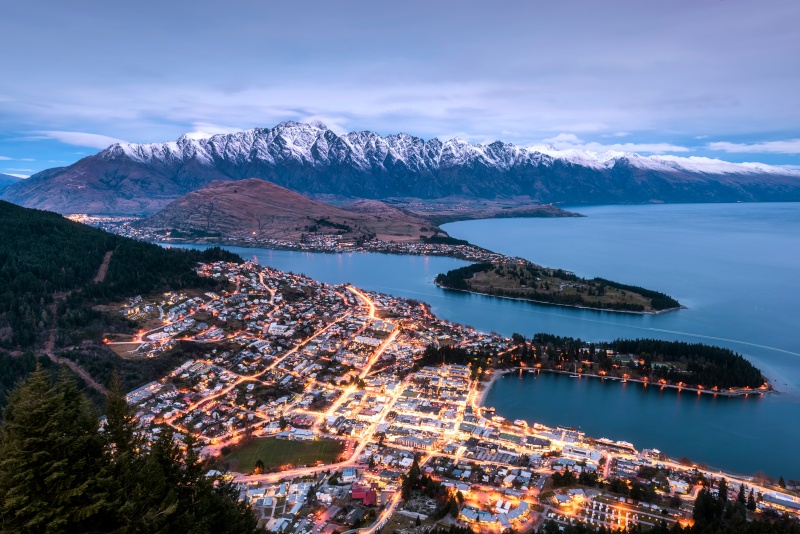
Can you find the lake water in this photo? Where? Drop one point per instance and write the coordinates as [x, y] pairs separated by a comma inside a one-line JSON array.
[[735, 266]]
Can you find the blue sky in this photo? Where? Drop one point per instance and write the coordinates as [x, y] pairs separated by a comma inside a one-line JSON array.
[[712, 78]]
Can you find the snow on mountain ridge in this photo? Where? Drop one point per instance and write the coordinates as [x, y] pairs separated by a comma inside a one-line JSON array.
[[315, 145]]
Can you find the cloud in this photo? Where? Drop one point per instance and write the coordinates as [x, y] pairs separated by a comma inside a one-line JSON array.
[[612, 70], [18, 175], [5, 158], [204, 130], [789, 146], [82, 139], [566, 141]]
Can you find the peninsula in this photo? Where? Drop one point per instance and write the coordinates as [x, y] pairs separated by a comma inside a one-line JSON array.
[[257, 213], [524, 280]]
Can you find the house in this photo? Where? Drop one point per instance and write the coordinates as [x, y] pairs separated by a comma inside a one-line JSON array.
[[364, 494], [562, 500], [356, 515], [349, 474], [678, 486], [577, 495]]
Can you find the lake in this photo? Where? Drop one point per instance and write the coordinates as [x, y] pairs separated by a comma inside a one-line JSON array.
[[735, 266]]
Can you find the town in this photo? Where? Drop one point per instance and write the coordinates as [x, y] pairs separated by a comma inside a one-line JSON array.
[[313, 242], [319, 402]]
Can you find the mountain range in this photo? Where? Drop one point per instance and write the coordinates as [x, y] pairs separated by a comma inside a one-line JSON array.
[[140, 179], [6, 180]]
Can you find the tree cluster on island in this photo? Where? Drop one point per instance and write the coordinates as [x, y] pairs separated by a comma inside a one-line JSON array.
[[674, 362], [531, 282]]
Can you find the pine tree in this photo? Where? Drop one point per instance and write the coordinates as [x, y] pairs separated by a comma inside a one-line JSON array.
[[259, 467], [58, 473], [723, 490], [51, 456], [751, 501], [782, 483], [741, 497], [453, 507], [120, 426], [143, 500]]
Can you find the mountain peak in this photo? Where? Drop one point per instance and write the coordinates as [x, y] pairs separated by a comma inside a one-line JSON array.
[[309, 158]]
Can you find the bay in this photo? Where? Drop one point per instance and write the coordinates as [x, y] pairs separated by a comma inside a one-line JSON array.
[[734, 266]]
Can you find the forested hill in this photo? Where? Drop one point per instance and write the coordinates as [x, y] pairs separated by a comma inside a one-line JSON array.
[[45, 257]]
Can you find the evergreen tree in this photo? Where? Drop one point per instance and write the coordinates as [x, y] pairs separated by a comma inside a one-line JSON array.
[[453, 507], [751, 501], [782, 483], [119, 429], [51, 456], [59, 474], [143, 501], [723, 490], [259, 467], [741, 497]]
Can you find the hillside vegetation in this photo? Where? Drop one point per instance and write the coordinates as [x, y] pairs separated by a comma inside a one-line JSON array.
[[48, 265], [554, 286]]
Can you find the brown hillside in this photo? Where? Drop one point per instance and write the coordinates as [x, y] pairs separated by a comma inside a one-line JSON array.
[[259, 208]]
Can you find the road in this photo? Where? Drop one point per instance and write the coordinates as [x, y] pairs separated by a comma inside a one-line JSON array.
[[241, 379], [50, 344]]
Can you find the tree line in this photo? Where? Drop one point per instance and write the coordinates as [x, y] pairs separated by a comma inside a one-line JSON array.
[[59, 474], [43, 254], [537, 287], [704, 364], [658, 300], [708, 365]]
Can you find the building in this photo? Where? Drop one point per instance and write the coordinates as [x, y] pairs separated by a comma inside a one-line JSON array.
[[349, 474]]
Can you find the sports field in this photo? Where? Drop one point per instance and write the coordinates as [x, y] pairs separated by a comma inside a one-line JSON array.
[[276, 452]]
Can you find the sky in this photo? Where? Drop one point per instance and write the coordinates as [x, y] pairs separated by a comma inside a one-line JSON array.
[[715, 78]]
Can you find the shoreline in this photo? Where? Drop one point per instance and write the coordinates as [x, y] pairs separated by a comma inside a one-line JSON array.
[[701, 466], [448, 254], [496, 374], [321, 250], [481, 396], [543, 302], [737, 393]]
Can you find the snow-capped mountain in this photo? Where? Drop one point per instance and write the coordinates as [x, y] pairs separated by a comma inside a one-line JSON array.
[[132, 178]]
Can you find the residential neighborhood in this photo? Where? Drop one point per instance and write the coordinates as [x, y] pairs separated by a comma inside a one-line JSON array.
[[281, 362]]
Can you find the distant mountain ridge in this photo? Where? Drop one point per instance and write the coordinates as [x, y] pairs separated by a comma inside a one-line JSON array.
[[7, 180], [129, 178]]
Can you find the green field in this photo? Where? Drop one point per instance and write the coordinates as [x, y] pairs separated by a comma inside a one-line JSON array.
[[277, 452]]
